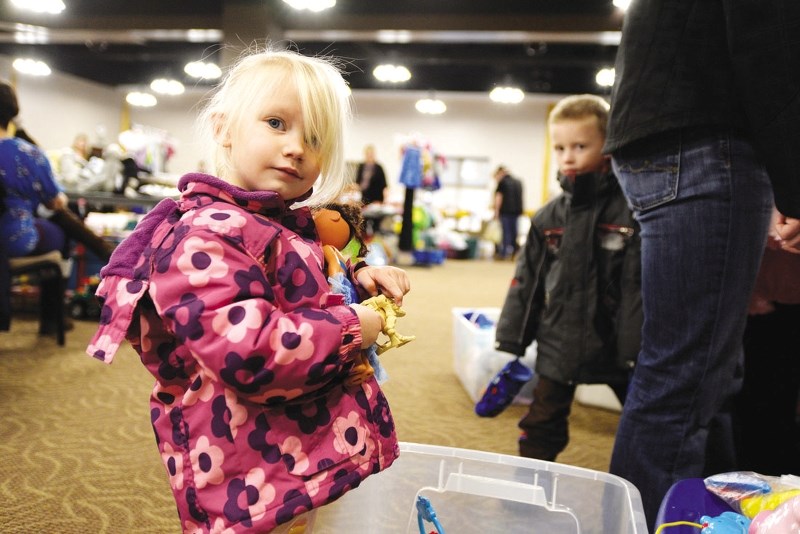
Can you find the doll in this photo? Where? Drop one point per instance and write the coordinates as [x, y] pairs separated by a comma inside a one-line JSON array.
[[336, 226]]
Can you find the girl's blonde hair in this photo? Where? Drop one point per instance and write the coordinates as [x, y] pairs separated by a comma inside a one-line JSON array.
[[580, 107], [324, 100]]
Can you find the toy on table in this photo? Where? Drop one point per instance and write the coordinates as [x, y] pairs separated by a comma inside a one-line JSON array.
[[337, 225], [751, 493], [785, 519]]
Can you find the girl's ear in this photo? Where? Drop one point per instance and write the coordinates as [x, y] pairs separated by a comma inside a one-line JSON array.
[[221, 132]]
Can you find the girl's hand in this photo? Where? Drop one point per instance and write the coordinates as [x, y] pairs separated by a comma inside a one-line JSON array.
[[371, 324], [390, 281]]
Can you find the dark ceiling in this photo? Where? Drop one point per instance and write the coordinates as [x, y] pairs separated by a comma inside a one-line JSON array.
[[543, 46]]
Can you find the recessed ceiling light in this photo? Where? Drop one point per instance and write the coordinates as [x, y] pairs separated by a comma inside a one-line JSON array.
[[53, 7], [507, 95], [311, 5], [605, 77], [622, 4], [391, 73], [167, 87], [431, 106], [33, 67], [199, 69], [141, 100]]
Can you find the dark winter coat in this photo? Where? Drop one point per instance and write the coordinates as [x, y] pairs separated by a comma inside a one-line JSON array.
[[577, 286]]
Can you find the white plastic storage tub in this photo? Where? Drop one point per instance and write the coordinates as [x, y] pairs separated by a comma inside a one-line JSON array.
[[475, 361], [485, 493]]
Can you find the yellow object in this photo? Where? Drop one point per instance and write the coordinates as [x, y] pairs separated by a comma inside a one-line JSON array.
[[752, 506]]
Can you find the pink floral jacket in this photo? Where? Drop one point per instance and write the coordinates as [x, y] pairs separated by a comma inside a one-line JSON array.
[[223, 295]]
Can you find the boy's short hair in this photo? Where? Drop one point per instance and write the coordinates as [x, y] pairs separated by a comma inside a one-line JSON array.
[[579, 107]]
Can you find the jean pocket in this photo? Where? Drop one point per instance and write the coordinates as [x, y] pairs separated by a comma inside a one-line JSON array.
[[648, 182]]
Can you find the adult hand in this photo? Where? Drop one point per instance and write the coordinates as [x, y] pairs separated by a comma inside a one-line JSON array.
[[787, 230], [390, 281]]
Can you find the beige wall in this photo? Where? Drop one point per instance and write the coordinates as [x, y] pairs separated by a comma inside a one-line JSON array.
[[57, 107]]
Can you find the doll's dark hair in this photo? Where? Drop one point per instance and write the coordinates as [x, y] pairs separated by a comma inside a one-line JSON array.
[[9, 106], [351, 213]]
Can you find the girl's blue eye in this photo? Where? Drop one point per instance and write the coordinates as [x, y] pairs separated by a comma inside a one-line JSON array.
[[275, 123]]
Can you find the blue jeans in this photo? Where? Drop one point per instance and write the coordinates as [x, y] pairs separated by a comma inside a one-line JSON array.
[[703, 202], [508, 246]]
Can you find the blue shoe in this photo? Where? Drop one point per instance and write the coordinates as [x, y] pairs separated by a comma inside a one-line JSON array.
[[503, 388]]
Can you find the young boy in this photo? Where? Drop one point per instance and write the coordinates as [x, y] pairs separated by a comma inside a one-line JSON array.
[[576, 289]]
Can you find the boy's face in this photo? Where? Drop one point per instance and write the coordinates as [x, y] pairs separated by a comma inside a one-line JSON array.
[[267, 148], [578, 146]]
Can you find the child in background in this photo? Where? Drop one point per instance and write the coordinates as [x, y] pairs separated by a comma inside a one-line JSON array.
[[224, 296], [576, 289]]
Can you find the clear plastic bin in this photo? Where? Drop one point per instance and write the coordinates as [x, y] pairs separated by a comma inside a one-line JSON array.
[[485, 493], [475, 361]]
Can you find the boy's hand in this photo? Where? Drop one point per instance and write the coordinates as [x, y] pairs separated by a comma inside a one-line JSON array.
[[390, 281]]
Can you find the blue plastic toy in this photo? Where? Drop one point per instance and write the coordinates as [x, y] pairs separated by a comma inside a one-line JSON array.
[[503, 388]]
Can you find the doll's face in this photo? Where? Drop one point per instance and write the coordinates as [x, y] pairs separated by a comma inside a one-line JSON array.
[[332, 228]]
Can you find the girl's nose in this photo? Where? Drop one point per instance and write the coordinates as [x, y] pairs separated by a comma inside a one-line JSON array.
[[294, 145]]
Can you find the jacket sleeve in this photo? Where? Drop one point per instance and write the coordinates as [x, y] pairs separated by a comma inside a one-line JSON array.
[[519, 318], [216, 298]]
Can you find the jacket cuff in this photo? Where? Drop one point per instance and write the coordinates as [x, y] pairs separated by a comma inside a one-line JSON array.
[[351, 331], [511, 348]]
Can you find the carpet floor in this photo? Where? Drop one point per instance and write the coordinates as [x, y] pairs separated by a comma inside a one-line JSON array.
[[77, 453]]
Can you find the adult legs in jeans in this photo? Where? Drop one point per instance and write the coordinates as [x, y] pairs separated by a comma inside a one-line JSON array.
[[703, 202], [545, 431], [508, 246]]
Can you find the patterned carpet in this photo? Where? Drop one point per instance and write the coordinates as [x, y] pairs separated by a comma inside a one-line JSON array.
[[77, 454]]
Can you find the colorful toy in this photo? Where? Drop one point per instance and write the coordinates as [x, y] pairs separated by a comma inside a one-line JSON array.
[[785, 519], [503, 388], [83, 304], [338, 225], [725, 523]]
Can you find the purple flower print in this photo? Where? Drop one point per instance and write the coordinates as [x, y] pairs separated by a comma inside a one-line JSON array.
[[163, 256], [342, 481], [180, 428], [257, 439], [186, 315], [252, 283], [248, 498], [220, 419], [296, 279], [318, 315], [382, 417], [246, 374], [309, 416], [324, 371], [291, 502]]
